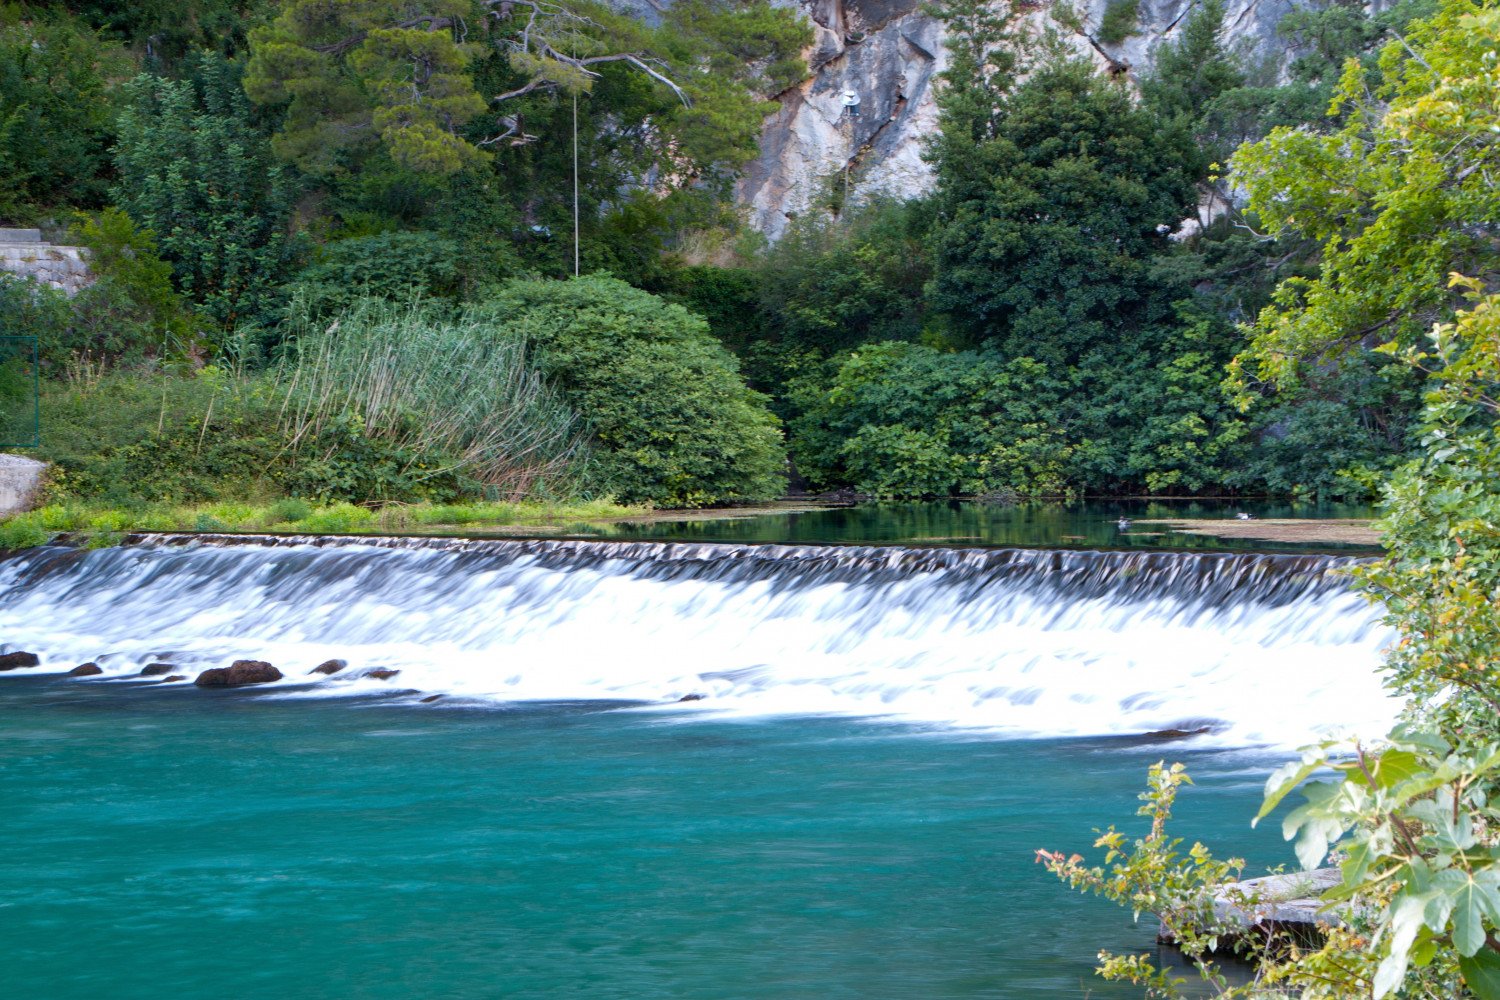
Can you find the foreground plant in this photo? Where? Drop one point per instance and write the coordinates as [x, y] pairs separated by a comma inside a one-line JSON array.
[[1155, 877], [1414, 821]]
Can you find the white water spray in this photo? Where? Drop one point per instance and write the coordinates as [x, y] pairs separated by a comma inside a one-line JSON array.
[[1265, 649]]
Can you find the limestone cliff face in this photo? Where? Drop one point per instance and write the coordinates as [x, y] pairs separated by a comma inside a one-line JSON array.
[[889, 53]]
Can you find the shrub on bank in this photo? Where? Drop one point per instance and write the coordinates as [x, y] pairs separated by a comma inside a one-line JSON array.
[[674, 423], [905, 420]]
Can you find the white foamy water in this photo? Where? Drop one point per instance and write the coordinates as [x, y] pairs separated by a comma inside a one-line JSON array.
[[1267, 649]]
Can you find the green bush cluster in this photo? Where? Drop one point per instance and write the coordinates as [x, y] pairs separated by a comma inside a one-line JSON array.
[[905, 420], [674, 423]]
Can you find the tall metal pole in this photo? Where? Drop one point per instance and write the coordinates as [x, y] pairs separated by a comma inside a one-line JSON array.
[[575, 184]]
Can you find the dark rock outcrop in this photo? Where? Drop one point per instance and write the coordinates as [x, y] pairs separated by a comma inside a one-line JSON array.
[[89, 669], [381, 673], [174, 677], [693, 697], [430, 699], [239, 674], [156, 669], [1176, 734], [329, 667], [14, 661]]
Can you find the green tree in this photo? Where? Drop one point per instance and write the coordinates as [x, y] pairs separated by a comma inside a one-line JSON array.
[[674, 423], [828, 286], [1044, 232], [402, 73], [196, 170], [57, 104], [1398, 197], [1191, 74]]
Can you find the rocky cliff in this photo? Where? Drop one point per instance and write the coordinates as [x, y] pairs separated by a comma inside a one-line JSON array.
[[889, 54]]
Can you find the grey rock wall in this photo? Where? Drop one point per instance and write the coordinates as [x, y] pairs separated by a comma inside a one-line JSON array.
[[24, 253], [891, 52]]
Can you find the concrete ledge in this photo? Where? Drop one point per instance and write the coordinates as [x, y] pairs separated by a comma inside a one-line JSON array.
[[20, 483], [1290, 904]]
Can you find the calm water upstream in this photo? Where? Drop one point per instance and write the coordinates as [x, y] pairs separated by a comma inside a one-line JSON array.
[[884, 736]]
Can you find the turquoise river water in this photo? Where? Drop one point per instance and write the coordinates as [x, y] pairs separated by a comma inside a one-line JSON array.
[[879, 739]]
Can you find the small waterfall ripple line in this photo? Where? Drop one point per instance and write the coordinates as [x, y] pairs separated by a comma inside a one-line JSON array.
[[1262, 649]]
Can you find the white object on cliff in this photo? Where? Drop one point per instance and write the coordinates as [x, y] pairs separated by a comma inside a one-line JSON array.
[[20, 482]]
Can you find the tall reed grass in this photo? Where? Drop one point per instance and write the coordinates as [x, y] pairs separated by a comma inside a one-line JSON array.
[[455, 394]]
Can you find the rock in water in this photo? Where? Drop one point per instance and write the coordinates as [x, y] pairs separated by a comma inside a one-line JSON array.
[[239, 674], [692, 697], [156, 669], [85, 670], [382, 674], [174, 677], [329, 667], [14, 661], [430, 699]]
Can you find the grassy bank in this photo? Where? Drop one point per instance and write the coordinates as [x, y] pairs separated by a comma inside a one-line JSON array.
[[102, 525]]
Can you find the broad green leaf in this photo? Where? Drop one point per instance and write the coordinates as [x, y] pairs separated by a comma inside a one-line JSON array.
[[1357, 861], [1473, 898], [1481, 972], [1287, 777], [1406, 920], [1395, 766]]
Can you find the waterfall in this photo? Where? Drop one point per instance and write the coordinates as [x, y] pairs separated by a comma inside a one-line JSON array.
[[1260, 649]]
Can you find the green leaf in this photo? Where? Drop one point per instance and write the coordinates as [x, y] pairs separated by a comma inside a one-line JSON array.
[[1357, 861], [1406, 920], [1473, 897], [1395, 766], [1287, 777], [1481, 973]]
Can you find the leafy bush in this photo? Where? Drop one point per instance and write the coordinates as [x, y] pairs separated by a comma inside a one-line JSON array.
[[131, 309], [129, 312], [674, 422], [23, 532], [131, 441], [31, 309], [285, 511], [398, 266], [1121, 20], [905, 420]]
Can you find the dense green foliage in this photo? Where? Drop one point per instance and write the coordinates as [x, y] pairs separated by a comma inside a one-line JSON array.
[[56, 111], [195, 169], [905, 420], [674, 423], [1411, 819], [1046, 226], [396, 266], [1054, 319]]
